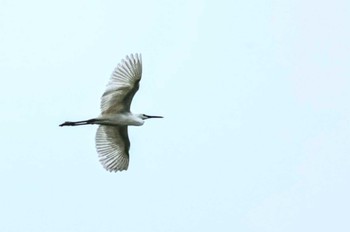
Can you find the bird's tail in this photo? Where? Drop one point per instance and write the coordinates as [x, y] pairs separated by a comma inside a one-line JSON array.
[[79, 123]]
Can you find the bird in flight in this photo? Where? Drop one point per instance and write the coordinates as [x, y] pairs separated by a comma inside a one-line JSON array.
[[112, 141]]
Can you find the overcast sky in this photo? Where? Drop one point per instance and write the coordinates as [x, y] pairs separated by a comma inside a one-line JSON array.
[[255, 96]]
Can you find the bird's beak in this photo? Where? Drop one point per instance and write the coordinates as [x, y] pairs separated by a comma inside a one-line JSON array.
[[149, 116]]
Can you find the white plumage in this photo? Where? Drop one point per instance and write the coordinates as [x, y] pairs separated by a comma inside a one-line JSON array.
[[112, 140]]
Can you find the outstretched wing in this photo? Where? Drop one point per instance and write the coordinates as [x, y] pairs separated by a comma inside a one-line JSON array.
[[123, 85], [112, 144]]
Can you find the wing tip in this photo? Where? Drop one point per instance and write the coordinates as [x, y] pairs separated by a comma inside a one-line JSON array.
[[115, 166], [133, 57]]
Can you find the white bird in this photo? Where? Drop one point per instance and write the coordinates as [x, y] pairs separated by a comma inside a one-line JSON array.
[[112, 141]]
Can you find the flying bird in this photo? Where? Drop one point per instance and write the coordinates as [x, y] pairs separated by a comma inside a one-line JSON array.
[[112, 141]]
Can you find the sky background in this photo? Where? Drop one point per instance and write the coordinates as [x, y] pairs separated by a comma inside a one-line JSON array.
[[255, 96]]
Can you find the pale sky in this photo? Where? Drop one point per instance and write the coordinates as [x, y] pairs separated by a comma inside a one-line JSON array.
[[255, 96]]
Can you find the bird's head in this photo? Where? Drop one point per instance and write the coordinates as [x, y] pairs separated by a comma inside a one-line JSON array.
[[145, 116]]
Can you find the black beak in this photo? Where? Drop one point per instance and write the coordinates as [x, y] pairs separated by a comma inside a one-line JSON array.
[[149, 116]]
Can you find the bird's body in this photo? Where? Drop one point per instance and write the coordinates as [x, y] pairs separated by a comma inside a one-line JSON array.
[[122, 119], [112, 141]]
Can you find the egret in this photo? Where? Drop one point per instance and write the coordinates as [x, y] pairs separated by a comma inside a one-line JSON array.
[[112, 141]]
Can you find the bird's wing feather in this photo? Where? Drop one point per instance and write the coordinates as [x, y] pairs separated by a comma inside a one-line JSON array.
[[112, 144], [122, 86]]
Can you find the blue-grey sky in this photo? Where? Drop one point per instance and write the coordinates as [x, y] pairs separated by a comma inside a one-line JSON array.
[[255, 96]]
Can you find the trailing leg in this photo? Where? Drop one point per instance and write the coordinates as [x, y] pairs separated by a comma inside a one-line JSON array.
[[79, 123]]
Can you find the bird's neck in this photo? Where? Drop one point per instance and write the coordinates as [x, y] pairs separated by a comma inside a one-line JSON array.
[[134, 120]]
